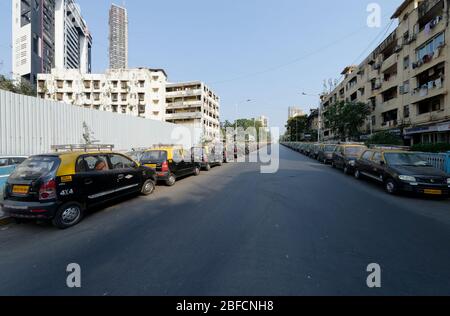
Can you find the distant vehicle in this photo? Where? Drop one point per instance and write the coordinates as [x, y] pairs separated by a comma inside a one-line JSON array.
[[170, 163], [7, 166], [61, 186], [207, 156], [325, 154], [345, 156], [402, 171], [314, 152]]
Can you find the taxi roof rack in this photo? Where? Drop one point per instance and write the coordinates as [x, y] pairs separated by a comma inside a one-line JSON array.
[[390, 147], [165, 145], [82, 147]]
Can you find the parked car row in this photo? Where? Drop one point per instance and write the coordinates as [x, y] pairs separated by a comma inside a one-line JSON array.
[[397, 168], [62, 185]]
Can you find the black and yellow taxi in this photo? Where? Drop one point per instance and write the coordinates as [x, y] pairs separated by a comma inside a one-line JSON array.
[[170, 162], [61, 186], [402, 171], [208, 156], [345, 156]]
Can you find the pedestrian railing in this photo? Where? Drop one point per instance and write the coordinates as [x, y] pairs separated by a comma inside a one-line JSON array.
[[440, 161]]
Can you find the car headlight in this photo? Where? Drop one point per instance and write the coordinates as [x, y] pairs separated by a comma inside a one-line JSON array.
[[407, 178], [352, 163]]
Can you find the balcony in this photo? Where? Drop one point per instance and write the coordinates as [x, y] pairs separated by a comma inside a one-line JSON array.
[[430, 90], [391, 104], [184, 115], [426, 6], [183, 93], [182, 105], [389, 62], [390, 124]]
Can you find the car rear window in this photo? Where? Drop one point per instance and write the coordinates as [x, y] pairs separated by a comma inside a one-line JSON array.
[[35, 167], [155, 156]]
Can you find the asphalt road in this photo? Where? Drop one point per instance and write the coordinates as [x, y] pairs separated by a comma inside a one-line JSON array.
[[306, 230]]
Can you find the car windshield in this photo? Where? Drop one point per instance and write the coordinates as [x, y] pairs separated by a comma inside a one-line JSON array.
[[35, 167], [330, 148], [354, 151], [154, 156], [135, 155], [405, 159]]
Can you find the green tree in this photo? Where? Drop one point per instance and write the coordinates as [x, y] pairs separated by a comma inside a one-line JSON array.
[[23, 87], [346, 118], [384, 138], [297, 127]]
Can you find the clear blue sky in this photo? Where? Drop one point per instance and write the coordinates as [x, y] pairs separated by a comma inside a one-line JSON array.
[[237, 47]]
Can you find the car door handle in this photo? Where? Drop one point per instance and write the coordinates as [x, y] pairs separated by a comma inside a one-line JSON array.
[[88, 181]]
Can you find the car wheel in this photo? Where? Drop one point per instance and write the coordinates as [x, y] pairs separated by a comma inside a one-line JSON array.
[[148, 187], [390, 186], [357, 174], [171, 181], [197, 171], [68, 215], [346, 171]]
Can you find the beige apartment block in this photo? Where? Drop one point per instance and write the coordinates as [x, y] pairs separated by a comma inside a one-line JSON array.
[[404, 79], [194, 105], [138, 92]]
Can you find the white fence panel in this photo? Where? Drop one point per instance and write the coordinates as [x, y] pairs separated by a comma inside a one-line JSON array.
[[31, 126]]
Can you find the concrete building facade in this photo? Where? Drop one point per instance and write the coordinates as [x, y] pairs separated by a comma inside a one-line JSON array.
[[194, 105], [403, 81], [138, 92], [48, 34], [118, 37]]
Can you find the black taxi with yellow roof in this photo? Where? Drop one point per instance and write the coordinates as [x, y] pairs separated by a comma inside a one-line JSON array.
[[401, 170], [62, 185], [171, 162]]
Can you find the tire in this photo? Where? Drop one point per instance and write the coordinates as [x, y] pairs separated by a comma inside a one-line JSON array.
[[390, 186], [148, 187], [171, 181], [197, 171], [357, 174], [68, 215], [346, 171]]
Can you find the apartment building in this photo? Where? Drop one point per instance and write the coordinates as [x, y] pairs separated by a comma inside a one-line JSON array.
[[118, 37], [263, 120], [48, 34], [403, 80], [194, 105], [139, 92]]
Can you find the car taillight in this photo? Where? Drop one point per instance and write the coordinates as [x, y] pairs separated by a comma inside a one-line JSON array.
[[165, 166], [47, 191]]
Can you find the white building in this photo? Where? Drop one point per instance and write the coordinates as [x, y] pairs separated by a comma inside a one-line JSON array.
[[48, 34], [263, 120], [73, 41], [118, 37], [139, 92], [194, 105], [294, 111]]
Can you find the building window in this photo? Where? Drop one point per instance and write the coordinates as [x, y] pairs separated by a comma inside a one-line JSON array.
[[428, 106], [406, 62], [427, 50], [406, 111]]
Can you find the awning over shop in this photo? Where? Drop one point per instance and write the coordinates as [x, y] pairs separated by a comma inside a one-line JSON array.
[[441, 127]]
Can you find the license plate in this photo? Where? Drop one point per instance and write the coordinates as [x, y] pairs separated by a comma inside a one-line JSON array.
[[153, 166], [20, 189], [433, 192]]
